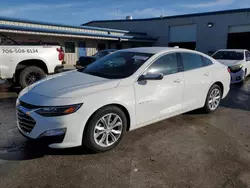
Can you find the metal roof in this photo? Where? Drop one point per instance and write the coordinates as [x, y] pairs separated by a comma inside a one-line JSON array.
[[152, 50], [175, 16], [155, 50], [69, 26], [53, 31]]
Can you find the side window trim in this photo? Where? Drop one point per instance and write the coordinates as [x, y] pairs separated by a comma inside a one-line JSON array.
[[180, 62]]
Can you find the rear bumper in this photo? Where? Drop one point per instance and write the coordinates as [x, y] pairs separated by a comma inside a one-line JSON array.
[[78, 66], [58, 69]]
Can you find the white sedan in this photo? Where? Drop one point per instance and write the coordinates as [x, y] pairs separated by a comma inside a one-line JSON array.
[[238, 62], [123, 91]]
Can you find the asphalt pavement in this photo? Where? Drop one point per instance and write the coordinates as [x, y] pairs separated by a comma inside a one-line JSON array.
[[190, 150]]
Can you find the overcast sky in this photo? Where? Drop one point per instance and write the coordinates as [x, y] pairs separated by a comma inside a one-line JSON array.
[[76, 12]]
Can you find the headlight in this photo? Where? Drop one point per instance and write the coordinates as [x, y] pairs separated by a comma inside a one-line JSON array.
[[58, 111], [235, 68]]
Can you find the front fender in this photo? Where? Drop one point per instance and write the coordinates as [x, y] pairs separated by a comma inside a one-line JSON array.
[[117, 96]]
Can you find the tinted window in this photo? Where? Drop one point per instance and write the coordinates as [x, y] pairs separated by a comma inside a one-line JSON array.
[[118, 46], [229, 55], [247, 55], [207, 61], [117, 65], [69, 47], [191, 61], [166, 64], [101, 46]]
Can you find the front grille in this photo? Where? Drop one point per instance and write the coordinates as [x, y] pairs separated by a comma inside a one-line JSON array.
[[28, 106], [26, 123]]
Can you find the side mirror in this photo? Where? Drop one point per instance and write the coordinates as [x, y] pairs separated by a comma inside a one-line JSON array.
[[151, 76]]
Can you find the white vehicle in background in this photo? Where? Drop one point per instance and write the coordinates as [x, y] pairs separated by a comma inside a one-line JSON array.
[[27, 64], [237, 60], [123, 91]]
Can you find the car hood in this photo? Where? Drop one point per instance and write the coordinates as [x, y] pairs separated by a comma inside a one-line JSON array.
[[71, 84], [229, 62]]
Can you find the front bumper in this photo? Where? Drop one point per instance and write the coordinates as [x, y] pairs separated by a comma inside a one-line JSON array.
[[46, 139], [73, 126], [237, 77]]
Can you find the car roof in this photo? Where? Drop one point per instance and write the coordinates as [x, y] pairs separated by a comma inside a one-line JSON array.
[[232, 50], [154, 50]]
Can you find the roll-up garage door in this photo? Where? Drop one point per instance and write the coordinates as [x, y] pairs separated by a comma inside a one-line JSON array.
[[239, 37], [183, 36]]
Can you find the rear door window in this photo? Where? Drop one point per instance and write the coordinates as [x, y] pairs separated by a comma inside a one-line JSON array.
[[206, 61], [191, 61]]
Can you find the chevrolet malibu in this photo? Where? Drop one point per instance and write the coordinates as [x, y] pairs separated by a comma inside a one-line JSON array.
[[238, 62], [126, 90]]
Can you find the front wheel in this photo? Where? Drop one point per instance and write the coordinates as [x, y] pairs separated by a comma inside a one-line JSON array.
[[105, 129], [30, 75], [213, 99]]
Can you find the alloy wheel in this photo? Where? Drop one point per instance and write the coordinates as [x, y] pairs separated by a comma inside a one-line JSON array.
[[214, 99], [108, 130]]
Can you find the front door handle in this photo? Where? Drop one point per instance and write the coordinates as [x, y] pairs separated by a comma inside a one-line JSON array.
[[206, 74], [177, 81]]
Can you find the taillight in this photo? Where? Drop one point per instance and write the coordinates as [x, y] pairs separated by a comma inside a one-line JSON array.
[[61, 54], [228, 69]]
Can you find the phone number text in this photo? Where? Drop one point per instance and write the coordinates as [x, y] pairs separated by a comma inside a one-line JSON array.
[[7, 51]]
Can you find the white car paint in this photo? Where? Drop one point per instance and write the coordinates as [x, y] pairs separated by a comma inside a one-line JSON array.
[[146, 103], [239, 76], [11, 56]]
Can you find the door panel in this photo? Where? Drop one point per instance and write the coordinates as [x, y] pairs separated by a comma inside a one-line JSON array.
[[82, 49], [197, 83], [158, 99], [197, 76]]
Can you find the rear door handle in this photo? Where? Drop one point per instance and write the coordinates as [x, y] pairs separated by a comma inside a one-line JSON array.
[[177, 81], [206, 74]]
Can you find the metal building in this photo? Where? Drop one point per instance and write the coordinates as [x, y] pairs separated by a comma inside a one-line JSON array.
[[76, 41], [205, 32]]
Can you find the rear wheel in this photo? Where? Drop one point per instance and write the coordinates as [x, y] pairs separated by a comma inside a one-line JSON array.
[[213, 99], [30, 75], [105, 129]]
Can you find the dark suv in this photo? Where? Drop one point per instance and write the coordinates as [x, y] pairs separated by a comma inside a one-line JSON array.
[[86, 60]]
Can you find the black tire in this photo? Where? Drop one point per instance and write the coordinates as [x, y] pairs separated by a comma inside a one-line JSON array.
[[88, 135], [27, 72], [206, 107]]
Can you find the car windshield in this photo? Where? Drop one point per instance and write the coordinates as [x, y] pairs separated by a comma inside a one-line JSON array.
[[117, 65], [229, 55]]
